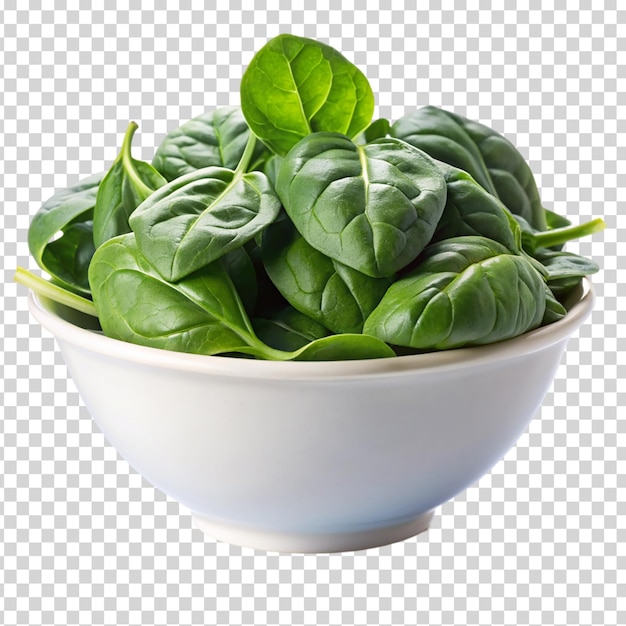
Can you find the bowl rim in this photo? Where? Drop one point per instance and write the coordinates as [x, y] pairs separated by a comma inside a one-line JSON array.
[[457, 358]]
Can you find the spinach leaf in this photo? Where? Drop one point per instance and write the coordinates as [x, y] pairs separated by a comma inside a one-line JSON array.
[[471, 210], [271, 168], [554, 220], [289, 330], [465, 291], [560, 264], [347, 347], [565, 270], [335, 295], [295, 86], [372, 207], [564, 288], [376, 130], [197, 218], [68, 212], [201, 314], [438, 133], [491, 159], [241, 270], [269, 300], [554, 309], [126, 185], [217, 138]]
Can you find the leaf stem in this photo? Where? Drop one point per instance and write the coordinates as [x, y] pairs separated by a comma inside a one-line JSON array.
[[559, 236], [266, 352], [246, 157], [49, 290], [127, 160]]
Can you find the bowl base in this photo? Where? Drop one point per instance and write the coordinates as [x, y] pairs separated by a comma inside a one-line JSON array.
[[293, 542]]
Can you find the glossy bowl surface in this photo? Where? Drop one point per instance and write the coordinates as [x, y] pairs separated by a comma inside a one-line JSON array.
[[312, 457]]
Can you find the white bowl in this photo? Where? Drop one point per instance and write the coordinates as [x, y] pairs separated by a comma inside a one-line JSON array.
[[312, 457]]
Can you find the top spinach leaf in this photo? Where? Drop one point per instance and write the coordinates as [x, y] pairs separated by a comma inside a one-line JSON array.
[[295, 86], [492, 160], [373, 207], [217, 138], [69, 212]]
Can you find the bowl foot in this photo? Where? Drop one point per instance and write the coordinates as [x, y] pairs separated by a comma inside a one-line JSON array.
[[310, 542]]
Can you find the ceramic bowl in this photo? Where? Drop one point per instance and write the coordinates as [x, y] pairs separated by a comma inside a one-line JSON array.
[[312, 457]]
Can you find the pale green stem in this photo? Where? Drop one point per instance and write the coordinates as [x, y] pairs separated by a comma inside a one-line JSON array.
[[559, 236], [246, 157], [127, 160], [49, 290]]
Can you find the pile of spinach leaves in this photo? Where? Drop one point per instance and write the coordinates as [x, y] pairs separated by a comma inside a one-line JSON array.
[[296, 227]]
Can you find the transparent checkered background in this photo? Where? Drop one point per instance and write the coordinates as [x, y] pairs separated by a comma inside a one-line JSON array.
[[541, 540]]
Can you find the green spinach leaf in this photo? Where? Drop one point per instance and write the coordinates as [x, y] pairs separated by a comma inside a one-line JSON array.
[[335, 295], [347, 347], [554, 309], [465, 291], [561, 264], [215, 138], [372, 207], [296, 86], [271, 168], [376, 130], [555, 220], [269, 300], [491, 159], [471, 210], [195, 219], [126, 185], [68, 213], [202, 314], [242, 272], [565, 270]]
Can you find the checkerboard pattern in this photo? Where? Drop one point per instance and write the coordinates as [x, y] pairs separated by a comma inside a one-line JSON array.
[[540, 540]]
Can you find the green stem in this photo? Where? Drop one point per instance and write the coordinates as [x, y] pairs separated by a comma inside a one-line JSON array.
[[246, 157], [49, 290], [264, 351], [257, 348], [127, 160], [559, 236]]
